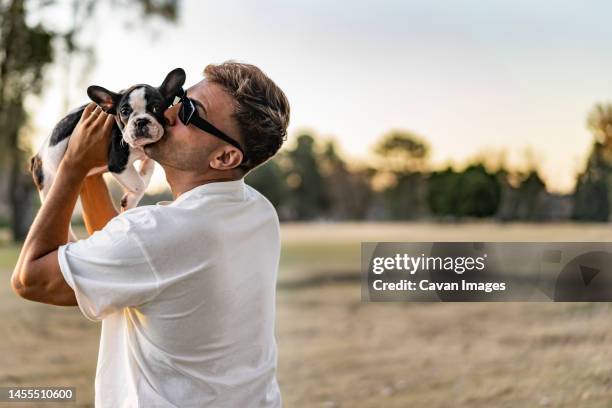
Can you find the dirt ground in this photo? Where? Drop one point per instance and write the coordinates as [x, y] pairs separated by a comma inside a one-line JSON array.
[[336, 351]]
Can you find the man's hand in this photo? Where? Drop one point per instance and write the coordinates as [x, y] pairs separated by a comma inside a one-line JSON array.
[[88, 145], [37, 275]]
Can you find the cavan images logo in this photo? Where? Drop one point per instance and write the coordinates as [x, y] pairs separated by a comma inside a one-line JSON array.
[[494, 271]]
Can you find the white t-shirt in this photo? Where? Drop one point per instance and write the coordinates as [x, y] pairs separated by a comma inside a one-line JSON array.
[[186, 295]]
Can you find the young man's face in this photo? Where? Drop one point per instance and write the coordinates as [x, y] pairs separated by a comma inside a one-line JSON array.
[[185, 147]]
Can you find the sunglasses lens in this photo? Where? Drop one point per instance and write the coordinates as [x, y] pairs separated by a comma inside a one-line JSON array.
[[186, 111], [181, 113]]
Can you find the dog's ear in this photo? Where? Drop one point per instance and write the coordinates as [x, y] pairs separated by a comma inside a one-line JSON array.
[[171, 85], [105, 99]]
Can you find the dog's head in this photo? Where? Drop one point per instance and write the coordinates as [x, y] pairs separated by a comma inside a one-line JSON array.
[[140, 109]]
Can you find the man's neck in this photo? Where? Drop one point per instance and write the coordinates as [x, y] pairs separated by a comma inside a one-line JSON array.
[[181, 182]]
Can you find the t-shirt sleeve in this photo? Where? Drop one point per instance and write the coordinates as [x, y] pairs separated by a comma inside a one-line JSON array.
[[111, 270]]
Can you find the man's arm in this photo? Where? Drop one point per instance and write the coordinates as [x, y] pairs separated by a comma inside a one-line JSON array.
[[98, 207], [37, 275]]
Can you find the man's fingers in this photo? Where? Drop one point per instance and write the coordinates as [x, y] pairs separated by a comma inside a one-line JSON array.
[[87, 111], [96, 112], [108, 123], [89, 108], [98, 117], [90, 114]]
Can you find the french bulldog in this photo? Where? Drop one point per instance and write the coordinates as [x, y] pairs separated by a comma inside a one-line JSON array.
[[139, 120]]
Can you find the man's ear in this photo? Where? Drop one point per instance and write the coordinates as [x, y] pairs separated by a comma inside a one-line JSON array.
[[226, 158], [172, 84], [105, 99]]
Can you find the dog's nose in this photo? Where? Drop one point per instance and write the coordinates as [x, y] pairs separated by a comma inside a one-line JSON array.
[[140, 123]]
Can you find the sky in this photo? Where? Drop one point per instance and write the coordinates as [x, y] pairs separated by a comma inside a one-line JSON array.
[[468, 77]]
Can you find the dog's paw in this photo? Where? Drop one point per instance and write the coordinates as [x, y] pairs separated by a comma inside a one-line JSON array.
[[129, 201], [124, 202]]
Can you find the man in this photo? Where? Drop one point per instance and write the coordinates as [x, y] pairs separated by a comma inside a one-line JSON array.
[[185, 290]]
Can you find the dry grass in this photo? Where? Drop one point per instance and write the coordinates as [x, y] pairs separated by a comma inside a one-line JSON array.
[[336, 351]]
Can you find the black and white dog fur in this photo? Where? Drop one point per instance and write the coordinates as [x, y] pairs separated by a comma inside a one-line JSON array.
[[139, 116]]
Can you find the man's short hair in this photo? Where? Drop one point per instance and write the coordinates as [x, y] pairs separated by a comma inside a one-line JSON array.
[[261, 109]]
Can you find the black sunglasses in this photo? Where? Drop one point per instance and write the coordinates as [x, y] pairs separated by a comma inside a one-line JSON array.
[[188, 114]]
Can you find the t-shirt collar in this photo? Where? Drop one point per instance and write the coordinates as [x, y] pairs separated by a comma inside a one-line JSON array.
[[225, 187]]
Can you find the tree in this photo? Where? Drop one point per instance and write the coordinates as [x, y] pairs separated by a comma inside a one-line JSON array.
[[308, 194], [25, 52], [592, 192], [597, 178], [531, 191], [441, 194], [402, 152], [401, 158], [349, 191], [269, 180], [599, 122], [473, 192]]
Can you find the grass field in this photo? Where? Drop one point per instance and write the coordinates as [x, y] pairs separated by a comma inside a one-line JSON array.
[[336, 351]]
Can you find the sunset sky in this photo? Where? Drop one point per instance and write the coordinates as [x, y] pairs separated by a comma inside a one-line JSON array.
[[467, 76]]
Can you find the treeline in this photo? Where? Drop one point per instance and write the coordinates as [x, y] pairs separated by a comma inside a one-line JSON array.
[[312, 182]]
